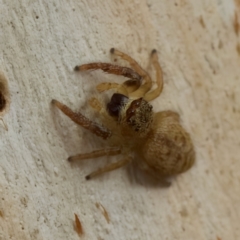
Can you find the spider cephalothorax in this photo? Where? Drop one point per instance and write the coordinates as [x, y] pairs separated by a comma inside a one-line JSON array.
[[131, 125], [137, 114]]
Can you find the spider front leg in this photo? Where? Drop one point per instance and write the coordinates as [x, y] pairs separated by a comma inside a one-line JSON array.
[[83, 121], [131, 61], [97, 106], [144, 88], [111, 69], [108, 85], [127, 87], [110, 167], [159, 78]]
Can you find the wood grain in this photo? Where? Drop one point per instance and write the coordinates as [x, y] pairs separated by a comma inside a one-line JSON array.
[[41, 42]]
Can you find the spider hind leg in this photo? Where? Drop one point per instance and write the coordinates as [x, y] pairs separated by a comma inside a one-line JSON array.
[[95, 154], [109, 167]]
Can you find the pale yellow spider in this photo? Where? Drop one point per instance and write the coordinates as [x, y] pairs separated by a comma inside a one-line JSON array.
[[163, 148]]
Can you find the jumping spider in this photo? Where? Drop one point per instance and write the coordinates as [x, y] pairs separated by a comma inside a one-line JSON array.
[[162, 146]]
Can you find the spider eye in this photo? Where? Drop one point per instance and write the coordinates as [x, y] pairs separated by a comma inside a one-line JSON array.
[[116, 103]]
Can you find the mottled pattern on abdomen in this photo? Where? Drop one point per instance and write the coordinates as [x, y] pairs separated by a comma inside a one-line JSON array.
[[169, 150]]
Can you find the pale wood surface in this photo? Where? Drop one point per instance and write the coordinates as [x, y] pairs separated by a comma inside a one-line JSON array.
[[200, 54]]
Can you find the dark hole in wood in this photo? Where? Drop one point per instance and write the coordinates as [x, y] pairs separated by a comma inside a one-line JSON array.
[[2, 102]]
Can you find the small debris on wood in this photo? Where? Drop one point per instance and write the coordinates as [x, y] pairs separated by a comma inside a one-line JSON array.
[[238, 48], [104, 211], [202, 22], [78, 225], [236, 24]]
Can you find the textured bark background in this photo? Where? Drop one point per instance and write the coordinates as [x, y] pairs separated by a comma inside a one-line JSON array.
[[199, 46]]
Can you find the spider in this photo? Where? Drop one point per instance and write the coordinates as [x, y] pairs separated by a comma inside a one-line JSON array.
[[131, 127]]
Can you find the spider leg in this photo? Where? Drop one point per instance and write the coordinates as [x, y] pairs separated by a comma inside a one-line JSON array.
[[109, 167], [96, 104], [127, 87], [110, 68], [159, 77], [83, 121], [95, 154], [132, 85], [108, 85], [135, 78], [144, 88]]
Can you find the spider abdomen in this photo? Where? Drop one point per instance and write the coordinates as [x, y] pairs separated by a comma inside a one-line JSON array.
[[168, 149]]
